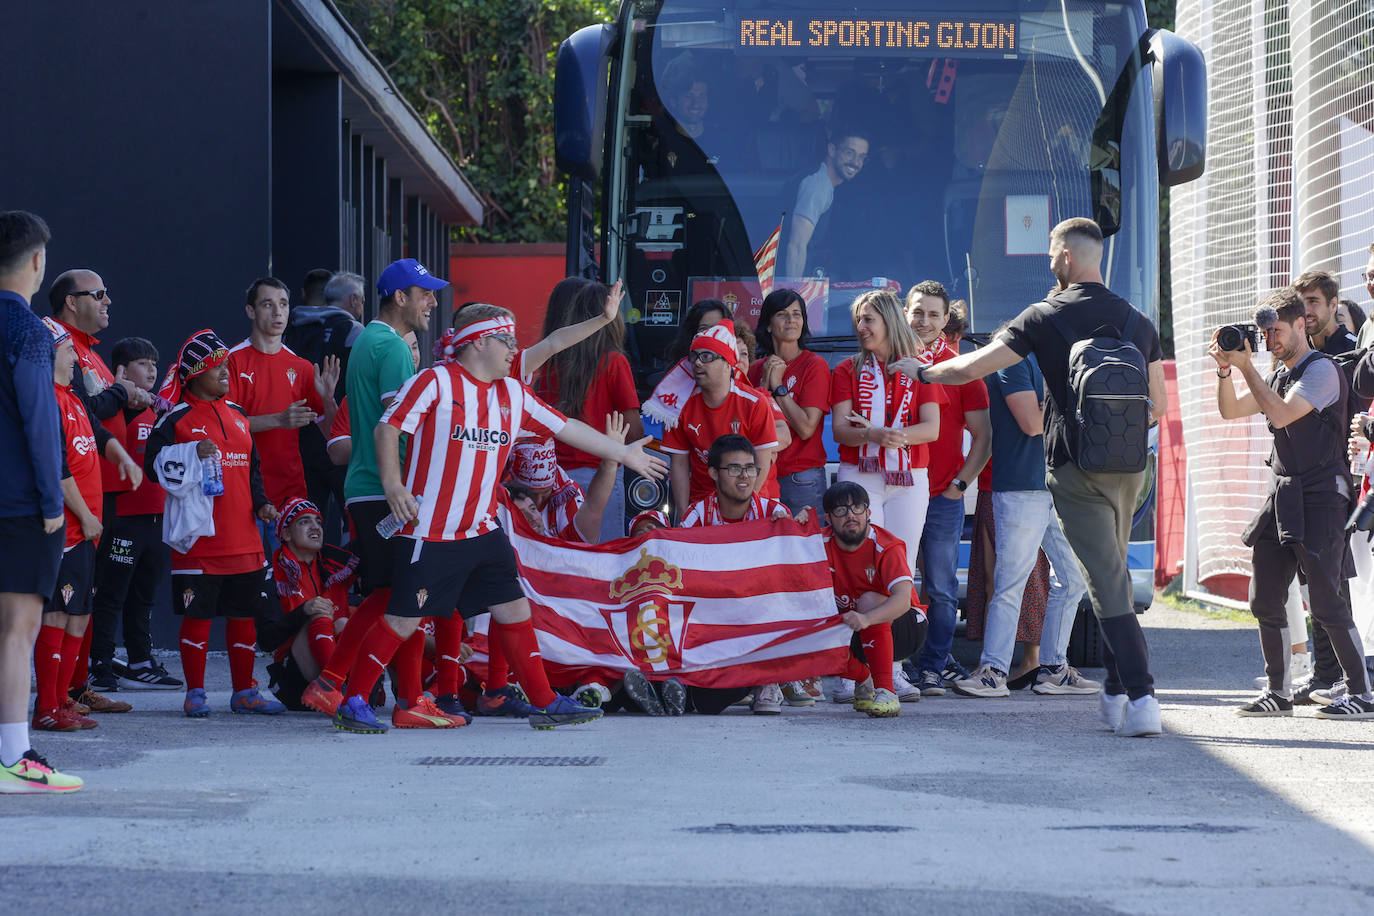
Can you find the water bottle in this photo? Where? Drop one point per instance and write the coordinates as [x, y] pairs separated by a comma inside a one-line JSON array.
[[212, 476], [388, 526], [1359, 464]]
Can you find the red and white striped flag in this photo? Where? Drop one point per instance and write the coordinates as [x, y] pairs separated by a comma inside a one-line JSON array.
[[725, 606], [766, 260]]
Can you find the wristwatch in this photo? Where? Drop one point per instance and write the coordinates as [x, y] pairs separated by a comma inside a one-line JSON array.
[[921, 375], [961, 484], [782, 391]]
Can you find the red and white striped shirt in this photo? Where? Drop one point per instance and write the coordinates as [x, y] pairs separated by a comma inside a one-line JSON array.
[[706, 512], [462, 432]]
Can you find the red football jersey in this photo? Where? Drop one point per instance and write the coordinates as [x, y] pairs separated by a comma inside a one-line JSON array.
[[879, 565], [744, 412], [462, 432], [339, 428], [611, 390], [149, 498], [808, 379], [266, 383], [947, 452], [844, 386], [83, 460]]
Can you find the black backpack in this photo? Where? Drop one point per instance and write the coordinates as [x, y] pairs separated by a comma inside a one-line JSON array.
[[1108, 412]]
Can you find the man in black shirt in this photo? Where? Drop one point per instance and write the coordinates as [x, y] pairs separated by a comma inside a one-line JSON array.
[[1094, 509]]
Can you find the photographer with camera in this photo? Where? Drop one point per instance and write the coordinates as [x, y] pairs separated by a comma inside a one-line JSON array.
[[1302, 522]]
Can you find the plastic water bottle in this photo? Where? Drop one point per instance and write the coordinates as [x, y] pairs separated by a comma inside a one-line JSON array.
[[212, 476], [1359, 464], [388, 526]]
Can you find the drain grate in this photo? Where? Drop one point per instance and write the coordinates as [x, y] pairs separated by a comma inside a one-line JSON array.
[[1160, 828], [510, 761], [796, 828]]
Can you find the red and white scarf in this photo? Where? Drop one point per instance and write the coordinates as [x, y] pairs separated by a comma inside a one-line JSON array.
[[666, 403], [937, 351], [706, 512], [894, 463]]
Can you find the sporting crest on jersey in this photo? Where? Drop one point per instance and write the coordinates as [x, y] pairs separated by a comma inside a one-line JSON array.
[[870, 572], [421, 597], [735, 427], [67, 592], [291, 377]]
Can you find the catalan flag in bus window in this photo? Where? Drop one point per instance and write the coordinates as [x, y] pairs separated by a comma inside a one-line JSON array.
[[766, 260]]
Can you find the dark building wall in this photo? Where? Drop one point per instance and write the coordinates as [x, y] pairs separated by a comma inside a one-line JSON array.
[[308, 183], [144, 141]]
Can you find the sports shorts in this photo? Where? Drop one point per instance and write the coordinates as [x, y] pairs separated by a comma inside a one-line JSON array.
[[30, 557], [204, 596], [432, 578], [75, 576]]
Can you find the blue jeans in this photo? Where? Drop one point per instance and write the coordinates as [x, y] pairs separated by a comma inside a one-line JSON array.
[[1025, 523], [802, 489], [940, 574]]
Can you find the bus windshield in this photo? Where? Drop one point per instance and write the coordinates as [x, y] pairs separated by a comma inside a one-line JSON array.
[[877, 148]]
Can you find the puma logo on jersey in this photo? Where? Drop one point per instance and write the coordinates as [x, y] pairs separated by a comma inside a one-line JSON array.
[[199, 429], [249, 376], [695, 428]]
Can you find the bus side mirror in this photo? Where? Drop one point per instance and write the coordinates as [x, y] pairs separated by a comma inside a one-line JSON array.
[[579, 101], [1180, 84]]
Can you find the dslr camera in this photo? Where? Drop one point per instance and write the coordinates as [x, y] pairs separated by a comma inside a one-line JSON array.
[[1233, 337]]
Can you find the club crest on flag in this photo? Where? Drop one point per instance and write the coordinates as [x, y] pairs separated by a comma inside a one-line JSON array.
[[67, 592], [649, 624], [187, 597], [421, 597]]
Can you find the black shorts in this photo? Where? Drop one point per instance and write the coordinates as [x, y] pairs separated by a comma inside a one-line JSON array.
[[434, 577], [908, 636], [375, 553], [205, 597], [288, 683], [75, 576], [29, 558]]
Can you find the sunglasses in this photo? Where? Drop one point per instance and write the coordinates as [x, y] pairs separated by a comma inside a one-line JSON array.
[[507, 339], [705, 357], [97, 294]]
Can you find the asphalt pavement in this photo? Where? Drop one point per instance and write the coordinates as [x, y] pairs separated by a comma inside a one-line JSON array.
[[1006, 806]]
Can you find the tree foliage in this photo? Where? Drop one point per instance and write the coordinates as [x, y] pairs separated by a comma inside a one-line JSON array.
[[480, 72]]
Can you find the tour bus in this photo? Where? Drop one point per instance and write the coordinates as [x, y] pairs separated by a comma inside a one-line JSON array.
[[689, 129]]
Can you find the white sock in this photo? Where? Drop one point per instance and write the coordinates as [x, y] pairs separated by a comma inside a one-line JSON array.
[[14, 741]]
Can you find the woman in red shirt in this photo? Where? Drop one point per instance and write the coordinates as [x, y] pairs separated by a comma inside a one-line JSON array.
[[589, 381], [799, 382], [882, 420]]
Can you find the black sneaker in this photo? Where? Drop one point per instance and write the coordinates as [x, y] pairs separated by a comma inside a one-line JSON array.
[[1348, 707], [1302, 693], [450, 705], [103, 679], [674, 696], [1268, 703], [638, 688], [147, 677]]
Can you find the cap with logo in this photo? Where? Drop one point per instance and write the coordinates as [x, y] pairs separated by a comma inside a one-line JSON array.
[[404, 274]]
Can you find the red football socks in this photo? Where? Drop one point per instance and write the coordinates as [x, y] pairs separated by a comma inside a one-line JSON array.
[[72, 655], [374, 655], [47, 663], [320, 634], [193, 640], [498, 669], [877, 643], [406, 665], [448, 644], [348, 641], [855, 670], [83, 656], [522, 650], [242, 639]]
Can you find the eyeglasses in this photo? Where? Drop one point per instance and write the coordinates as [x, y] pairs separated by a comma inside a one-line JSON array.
[[705, 357], [97, 294], [856, 509], [507, 339], [741, 470]]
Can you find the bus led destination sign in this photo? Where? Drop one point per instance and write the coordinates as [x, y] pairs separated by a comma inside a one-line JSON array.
[[951, 35]]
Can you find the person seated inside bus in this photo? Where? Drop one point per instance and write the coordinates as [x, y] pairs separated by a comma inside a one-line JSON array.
[[682, 143], [806, 229]]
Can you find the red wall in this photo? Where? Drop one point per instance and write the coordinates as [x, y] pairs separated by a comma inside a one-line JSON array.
[[517, 277]]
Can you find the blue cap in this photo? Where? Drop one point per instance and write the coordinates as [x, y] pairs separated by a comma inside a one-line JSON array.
[[404, 274]]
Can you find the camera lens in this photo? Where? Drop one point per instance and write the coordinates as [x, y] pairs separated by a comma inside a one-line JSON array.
[[644, 493], [1231, 338]]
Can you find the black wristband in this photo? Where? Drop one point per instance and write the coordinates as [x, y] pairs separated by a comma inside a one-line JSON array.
[[921, 375], [1227, 375]]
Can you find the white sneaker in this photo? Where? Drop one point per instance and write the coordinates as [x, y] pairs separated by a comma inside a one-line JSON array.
[[592, 695], [986, 681], [1110, 709], [768, 700], [906, 691], [843, 691], [1329, 695], [1064, 681], [1141, 718]]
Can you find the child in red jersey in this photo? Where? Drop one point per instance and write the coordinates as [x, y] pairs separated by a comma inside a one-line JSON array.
[[68, 611], [312, 580], [222, 574], [872, 582]]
